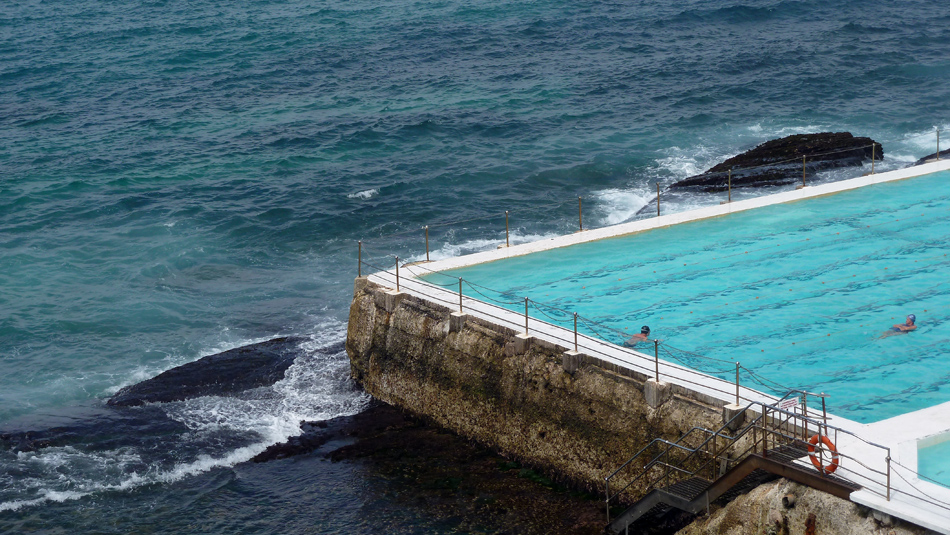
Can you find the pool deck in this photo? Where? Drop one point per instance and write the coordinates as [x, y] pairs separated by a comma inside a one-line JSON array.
[[912, 498]]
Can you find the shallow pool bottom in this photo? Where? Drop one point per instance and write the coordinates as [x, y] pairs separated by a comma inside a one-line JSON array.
[[933, 458]]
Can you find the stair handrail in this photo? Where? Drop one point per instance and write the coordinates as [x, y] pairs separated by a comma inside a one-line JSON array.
[[653, 462], [821, 426], [663, 441]]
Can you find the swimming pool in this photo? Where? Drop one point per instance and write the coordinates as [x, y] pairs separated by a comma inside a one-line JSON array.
[[933, 459], [799, 293]]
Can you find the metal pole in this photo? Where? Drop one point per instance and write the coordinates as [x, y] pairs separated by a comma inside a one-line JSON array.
[[737, 384], [821, 447], [397, 273], [460, 295], [580, 214], [730, 185], [872, 158], [656, 357], [938, 144], [805, 412], [803, 171], [575, 332], [506, 229], [888, 474], [427, 243], [359, 265], [526, 315], [658, 199]]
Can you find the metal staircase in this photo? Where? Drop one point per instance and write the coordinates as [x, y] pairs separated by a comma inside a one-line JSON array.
[[703, 466]]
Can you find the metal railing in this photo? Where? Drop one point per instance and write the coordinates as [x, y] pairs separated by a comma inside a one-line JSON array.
[[815, 157], [714, 452], [591, 345]]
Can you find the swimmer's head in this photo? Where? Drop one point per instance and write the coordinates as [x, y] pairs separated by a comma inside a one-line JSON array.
[[911, 318], [645, 330]]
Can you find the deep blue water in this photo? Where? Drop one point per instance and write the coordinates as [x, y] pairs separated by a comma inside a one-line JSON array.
[[178, 178]]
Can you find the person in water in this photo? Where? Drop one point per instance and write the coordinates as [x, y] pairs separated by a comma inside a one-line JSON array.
[[642, 336], [902, 328]]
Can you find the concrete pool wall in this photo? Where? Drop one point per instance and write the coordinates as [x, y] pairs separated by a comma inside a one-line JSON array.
[[580, 414]]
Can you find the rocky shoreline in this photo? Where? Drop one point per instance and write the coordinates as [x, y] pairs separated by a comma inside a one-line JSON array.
[[465, 485]]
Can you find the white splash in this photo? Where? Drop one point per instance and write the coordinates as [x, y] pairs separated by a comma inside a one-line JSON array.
[[613, 206], [365, 194], [315, 387]]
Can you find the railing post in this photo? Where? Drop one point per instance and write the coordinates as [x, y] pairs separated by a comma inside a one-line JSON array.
[[730, 184], [872, 157], [755, 436], [580, 214], [397, 273], [737, 384], [803, 170], [658, 199], [656, 357], [821, 433], [938, 144], [526, 315], [507, 244], [427, 243], [575, 332], [460, 295], [888, 474], [359, 265], [805, 412]]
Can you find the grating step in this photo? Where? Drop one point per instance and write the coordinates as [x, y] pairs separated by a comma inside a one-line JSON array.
[[749, 482], [661, 520], [688, 488], [788, 452]]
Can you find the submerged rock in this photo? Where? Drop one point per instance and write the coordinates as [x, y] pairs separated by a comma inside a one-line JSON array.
[[779, 162], [944, 155], [224, 373]]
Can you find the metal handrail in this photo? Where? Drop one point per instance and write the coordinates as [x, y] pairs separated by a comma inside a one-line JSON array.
[[771, 420]]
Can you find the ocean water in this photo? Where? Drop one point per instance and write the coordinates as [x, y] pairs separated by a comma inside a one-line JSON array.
[[179, 178]]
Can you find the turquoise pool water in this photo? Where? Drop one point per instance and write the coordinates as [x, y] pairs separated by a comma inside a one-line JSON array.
[[800, 293], [933, 462]]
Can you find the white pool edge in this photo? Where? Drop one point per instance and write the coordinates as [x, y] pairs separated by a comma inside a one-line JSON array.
[[642, 225]]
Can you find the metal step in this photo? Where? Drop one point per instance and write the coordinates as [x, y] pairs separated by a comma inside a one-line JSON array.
[[688, 488], [749, 482]]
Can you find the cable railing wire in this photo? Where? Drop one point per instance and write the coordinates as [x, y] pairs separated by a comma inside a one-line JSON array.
[[590, 323], [548, 206]]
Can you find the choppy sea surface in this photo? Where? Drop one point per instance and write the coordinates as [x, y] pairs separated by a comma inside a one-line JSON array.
[[180, 178]]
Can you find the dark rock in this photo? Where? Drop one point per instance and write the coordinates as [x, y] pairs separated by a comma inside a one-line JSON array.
[[779, 162], [312, 436], [944, 155], [464, 487], [224, 373]]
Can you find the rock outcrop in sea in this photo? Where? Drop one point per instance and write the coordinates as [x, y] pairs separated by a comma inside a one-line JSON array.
[[221, 374], [779, 162], [944, 155]]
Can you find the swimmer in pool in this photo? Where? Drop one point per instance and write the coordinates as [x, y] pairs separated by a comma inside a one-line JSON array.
[[643, 336], [902, 328]]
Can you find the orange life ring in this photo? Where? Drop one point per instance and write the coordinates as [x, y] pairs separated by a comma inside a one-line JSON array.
[[814, 459]]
